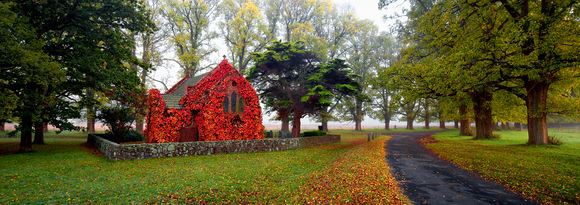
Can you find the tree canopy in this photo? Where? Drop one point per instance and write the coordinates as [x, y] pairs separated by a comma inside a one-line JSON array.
[[291, 81], [484, 47], [55, 50]]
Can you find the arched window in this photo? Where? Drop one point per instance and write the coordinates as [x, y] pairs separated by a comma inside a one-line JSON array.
[[226, 104], [240, 108], [234, 102]]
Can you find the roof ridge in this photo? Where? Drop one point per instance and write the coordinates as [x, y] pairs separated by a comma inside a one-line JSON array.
[[177, 85]]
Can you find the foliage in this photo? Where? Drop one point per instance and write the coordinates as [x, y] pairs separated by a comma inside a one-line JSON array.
[[164, 124], [363, 63], [244, 31], [547, 173], [133, 136], [189, 23], [522, 47], [118, 119], [206, 100], [291, 80], [62, 48], [314, 133], [358, 176]]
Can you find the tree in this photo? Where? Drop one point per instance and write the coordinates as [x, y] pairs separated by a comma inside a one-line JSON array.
[[363, 63], [189, 23], [383, 90], [335, 81], [331, 29], [60, 53], [243, 30], [541, 52], [289, 77], [152, 46]]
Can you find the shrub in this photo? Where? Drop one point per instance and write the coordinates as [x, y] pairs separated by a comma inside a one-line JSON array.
[[133, 136], [117, 119], [553, 140], [314, 133]]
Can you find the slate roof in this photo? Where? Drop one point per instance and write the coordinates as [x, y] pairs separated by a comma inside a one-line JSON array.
[[172, 100], [173, 95]]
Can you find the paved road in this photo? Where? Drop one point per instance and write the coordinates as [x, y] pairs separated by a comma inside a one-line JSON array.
[[426, 179]]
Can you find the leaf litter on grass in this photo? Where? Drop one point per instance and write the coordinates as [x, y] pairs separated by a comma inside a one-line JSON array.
[[359, 176]]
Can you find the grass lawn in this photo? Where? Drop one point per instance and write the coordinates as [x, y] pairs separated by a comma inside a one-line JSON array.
[[63, 171], [548, 173]]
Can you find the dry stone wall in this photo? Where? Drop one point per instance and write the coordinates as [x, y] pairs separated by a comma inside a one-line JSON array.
[[156, 150]]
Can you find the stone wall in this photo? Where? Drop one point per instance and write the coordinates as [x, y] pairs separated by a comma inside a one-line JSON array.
[[155, 150]]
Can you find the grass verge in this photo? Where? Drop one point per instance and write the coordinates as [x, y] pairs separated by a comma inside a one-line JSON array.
[[546, 173], [63, 171]]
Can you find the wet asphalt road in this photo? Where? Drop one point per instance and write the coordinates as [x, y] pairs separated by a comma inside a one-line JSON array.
[[426, 179]]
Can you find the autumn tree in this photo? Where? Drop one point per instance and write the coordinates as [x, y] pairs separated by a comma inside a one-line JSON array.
[[191, 33], [243, 30]]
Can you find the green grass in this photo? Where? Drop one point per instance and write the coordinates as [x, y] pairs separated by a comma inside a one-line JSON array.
[[65, 172], [548, 173]]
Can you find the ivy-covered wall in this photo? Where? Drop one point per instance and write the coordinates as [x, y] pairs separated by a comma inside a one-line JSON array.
[[205, 110], [157, 150]]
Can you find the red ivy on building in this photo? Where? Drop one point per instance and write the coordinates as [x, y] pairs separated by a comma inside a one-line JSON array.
[[205, 103]]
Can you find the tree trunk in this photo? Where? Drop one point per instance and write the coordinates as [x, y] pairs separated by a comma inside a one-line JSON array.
[[482, 107], [296, 124], [464, 121], [518, 126], [455, 124], [442, 124], [427, 114], [2, 129], [38, 133], [504, 126], [387, 124], [324, 125], [26, 134], [90, 113], [142, 104], [139, 123], [410, 123], [324, 119], [536, 105], [283, 116], [285, 124], [358, 117]]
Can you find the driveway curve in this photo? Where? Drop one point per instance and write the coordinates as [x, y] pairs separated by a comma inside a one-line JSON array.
[[426, 179]]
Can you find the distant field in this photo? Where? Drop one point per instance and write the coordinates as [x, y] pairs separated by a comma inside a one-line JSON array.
[[548, 173]]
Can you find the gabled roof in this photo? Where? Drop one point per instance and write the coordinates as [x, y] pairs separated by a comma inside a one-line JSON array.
[[179, 87], [172, 100], [173, 95]]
